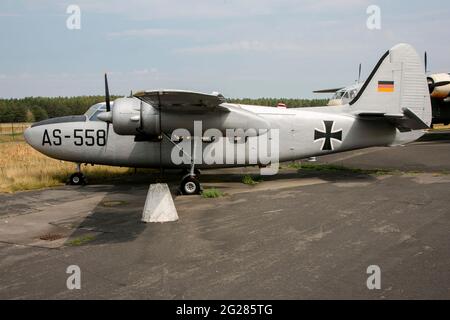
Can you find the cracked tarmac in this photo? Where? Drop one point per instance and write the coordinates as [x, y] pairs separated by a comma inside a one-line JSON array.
[[293, 236]]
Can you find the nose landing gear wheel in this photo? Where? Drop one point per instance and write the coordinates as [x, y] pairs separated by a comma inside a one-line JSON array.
[[77, 179], [190, 185]]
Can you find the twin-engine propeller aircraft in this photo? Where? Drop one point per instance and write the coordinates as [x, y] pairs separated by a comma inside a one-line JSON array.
[[343, 95], [392, 108], [439, 85]]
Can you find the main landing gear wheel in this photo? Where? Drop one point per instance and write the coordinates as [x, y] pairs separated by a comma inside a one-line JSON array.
[[190, 185], [77, 179]]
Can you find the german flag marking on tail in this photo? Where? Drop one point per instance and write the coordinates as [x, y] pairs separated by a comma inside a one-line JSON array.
[[385, 86]]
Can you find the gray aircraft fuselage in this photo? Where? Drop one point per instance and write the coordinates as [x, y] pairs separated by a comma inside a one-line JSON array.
[[303, 133]]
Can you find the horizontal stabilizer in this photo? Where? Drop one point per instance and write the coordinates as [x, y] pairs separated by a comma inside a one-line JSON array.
[[405, 121]]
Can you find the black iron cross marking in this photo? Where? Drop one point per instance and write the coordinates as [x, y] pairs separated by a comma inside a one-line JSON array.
[[327, 135]]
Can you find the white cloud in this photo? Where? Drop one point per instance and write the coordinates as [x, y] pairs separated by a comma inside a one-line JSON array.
[[5, 14], [262, 46], [144, 72], [149, 33], [243, 46], [213, 9], [162, 9], [323, 5]]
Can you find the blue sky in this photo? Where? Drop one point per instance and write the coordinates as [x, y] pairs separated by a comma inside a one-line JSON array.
[[242, 48]]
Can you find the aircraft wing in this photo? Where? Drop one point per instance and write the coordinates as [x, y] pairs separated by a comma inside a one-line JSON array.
[[181, 100], [405, 121], [328, 90]]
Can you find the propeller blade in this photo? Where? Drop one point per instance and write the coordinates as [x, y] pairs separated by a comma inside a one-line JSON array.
[[107, 97], [441, 83], [432, 86], [108, 106]]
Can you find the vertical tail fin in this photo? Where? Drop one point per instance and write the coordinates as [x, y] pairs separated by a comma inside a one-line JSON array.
[[396, 89]]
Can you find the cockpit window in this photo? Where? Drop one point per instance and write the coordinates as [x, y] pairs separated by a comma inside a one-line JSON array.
[[93, 111], [94, 116], [338, 95]]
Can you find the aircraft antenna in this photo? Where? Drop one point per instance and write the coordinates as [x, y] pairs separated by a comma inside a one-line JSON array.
[[359, 73]]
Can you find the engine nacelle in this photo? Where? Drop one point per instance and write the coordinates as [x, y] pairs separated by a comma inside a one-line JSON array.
[[440, 92], [131, 116], [126, 117]]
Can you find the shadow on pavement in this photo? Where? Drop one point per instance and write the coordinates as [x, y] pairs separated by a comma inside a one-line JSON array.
[[117, 218]]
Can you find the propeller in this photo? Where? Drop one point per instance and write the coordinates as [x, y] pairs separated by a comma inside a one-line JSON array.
[[106, 116], [107, 97], [432, 85]]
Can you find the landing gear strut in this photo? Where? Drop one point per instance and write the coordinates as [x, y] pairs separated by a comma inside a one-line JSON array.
[[185, 172], [77, 178], [190, 184]]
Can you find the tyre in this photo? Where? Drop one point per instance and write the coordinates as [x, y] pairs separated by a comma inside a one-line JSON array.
[[190, 185], [77, 179]]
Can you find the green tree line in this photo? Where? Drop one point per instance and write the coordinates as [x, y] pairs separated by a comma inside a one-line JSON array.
[[40, 108], [290, 103]]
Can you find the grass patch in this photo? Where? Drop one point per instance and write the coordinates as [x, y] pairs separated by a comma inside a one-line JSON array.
[[23, 168], [251, 181], [11, 137], [336, 168], [80, 241], [212, 193]]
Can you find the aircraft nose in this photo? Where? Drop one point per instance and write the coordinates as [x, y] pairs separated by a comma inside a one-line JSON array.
[[27, 135], [31, 137]]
